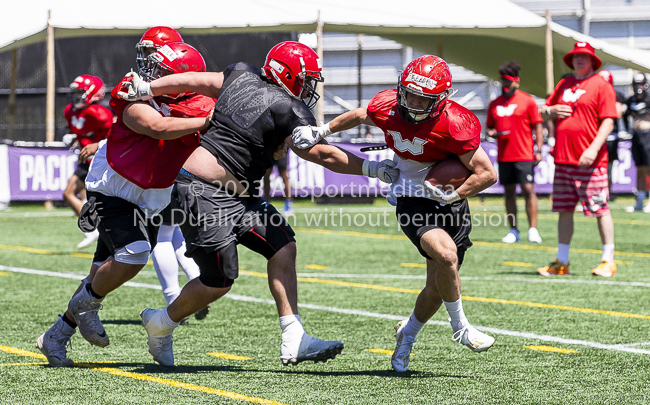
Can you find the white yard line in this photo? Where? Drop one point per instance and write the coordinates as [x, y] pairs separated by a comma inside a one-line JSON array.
[[68, 213], [545, 338]]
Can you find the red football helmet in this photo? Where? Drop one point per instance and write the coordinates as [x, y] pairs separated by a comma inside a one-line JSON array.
[[427, 76], [177, 57], [153, 38], [86, 89], [296, 68]]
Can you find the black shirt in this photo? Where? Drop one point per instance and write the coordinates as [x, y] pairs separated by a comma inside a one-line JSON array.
[[252, 117]]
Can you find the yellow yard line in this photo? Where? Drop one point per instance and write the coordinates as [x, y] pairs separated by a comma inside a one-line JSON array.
[[551, 349], [144, 377], [228, 356], [316, 267], [476, 243], [420, 265], [518, 264], [50, 252], [382, 351], [4, 273], [465, 297], [24, 364]]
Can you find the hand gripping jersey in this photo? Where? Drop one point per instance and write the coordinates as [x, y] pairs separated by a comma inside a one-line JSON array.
[[516, 114], [592, 100], [90, 124], [147, 162], [456, 131], [251, 119]]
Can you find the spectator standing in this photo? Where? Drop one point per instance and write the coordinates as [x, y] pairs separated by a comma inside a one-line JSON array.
[[638, 107]]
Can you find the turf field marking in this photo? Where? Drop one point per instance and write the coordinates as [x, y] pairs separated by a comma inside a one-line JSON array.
[[551, 349], [50, 252], [228, 356], [382, 351], [236, 297], [36, 214], [3, 273], [420, 265], [616, 220], [316, 267], [145, 377], [476, 243], [518, 264], [25, 364]]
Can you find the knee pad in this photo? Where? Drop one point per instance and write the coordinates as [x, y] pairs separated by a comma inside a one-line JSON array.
[[134, 253]]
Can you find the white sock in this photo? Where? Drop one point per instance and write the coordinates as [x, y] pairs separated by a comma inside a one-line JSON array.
[[456, 313], [291, 326], [413, 327], [608, 252], [188, 265], [167, 321], [563, 252]]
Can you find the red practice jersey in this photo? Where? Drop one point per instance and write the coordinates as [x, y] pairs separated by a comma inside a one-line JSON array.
[[148, 162], [90, 124], [455, 131], [517, 114], [592, 100]]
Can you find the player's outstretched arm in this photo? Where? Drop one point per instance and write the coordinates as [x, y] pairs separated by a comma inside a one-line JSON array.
[[307, 136], [144, 119], [206, 83], [483, 173], [342, 161]]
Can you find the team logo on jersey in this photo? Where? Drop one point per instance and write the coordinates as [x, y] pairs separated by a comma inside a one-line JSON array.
[[78, 122], [571, 97], [506, 111], [422, 81], [415, 147]]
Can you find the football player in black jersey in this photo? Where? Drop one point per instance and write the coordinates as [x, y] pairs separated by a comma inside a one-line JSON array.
[[638, 107], [218, 188]]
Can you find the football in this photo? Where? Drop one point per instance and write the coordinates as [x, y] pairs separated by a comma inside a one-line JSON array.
[[448, 172]]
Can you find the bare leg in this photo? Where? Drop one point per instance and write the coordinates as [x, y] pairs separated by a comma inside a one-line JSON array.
[[281, 269], [75, 185], [511, 204], [429, 300], [439, 245], [528, 191], [606, 228], [267, 184], [113, 274], [194, 296], [565, 227]]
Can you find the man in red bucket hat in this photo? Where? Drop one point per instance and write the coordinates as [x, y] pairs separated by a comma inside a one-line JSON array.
[[584, 107]]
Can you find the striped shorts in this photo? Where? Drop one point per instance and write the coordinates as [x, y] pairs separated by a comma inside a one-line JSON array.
[[587, 185]]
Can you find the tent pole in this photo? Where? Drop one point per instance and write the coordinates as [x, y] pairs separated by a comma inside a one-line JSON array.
[[320, 115], [49, 103], [359, 86], [550, 81], [11, 113]]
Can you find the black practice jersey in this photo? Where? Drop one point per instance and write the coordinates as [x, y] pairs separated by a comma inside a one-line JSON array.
[[637, 108], [251, 119]]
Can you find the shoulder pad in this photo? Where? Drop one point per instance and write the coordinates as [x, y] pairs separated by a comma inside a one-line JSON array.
[[463, 124]]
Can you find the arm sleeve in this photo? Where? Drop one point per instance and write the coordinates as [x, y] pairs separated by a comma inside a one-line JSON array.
[[465, 131]]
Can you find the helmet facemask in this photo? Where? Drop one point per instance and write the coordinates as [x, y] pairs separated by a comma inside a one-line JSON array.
[[308, 93], [145, 49], [80, 97], [415, 115]]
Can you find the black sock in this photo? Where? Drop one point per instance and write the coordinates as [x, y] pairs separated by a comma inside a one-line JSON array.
[[65, 319], [89, 288]]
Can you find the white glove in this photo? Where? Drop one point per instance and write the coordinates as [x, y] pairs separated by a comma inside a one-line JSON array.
[[384, 170], [440, 195], [304, 137], [68, 139], [136, 89]]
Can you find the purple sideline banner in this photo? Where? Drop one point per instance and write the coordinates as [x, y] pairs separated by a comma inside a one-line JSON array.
[[42, 173], [309, 179], [39, 173]]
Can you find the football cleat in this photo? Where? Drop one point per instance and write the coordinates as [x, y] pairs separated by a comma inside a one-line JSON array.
[[202, 313], [88, 239], [402, 352], [557, 268], [84, 308], [476, 341], [53, 344], [159, 339], [534, 236], [310, 348], [605, 269], [511, 237]]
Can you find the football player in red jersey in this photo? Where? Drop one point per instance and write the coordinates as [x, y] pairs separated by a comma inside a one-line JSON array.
[[90, 122], [512, 118], [130, 181], [256, 112], [584, 105], [423, 126]]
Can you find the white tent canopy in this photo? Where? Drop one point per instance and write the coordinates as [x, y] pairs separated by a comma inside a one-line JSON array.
[[476, 34]]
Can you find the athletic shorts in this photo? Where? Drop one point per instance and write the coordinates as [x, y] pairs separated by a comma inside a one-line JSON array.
[[587, 185], [417, 216], [171, 215], [121, 223], [217, 221], [516, 172], [82, 171], [612, 150], [281, 163], [641, 148]]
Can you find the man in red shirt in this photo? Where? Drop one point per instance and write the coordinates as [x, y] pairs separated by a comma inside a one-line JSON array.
[[584, 106], [423, 127], [90, 122], [510, 119]]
